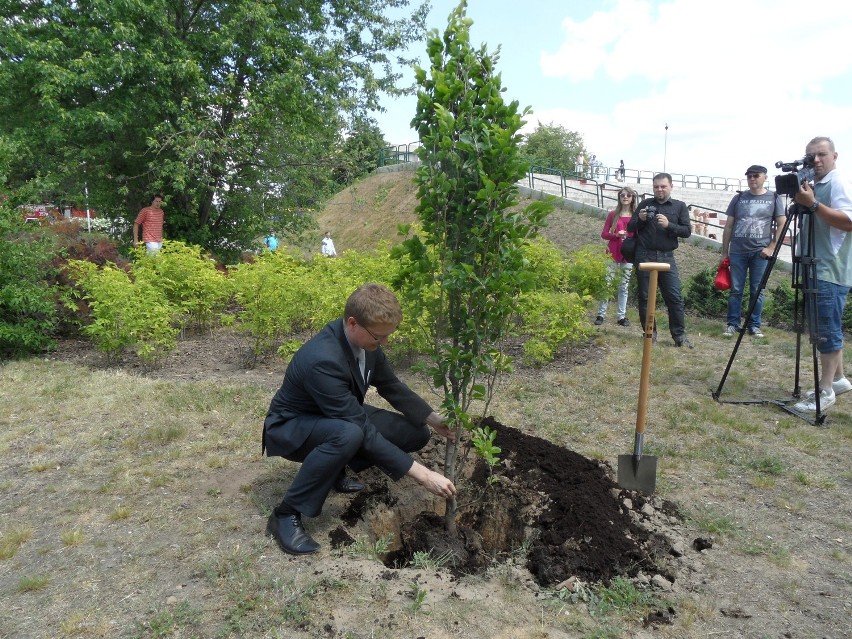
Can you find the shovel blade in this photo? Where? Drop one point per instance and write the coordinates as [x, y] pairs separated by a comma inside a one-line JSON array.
[[641, 476]]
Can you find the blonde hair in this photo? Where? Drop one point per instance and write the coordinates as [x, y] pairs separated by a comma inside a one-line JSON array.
[[621, 207], [373, 304]]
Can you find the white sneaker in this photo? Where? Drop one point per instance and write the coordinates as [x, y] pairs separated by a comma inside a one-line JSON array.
[[826, 399], [730, 331], [840, 386]]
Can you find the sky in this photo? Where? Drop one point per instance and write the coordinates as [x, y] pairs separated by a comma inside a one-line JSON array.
[[736, 82]]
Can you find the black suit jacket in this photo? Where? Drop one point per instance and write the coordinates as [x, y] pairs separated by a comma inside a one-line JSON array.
[[323, 379]]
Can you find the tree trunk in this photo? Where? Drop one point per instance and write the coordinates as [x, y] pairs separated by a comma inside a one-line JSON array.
[[450, 471]]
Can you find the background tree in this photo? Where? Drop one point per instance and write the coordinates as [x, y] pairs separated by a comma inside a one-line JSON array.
[[467, 270], [231, 109], [359, 152], [554, 147]]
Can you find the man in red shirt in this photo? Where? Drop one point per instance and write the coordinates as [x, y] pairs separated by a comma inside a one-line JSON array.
[[151, 220]]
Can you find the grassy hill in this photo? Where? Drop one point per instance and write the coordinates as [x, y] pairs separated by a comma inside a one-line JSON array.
[[362, 215]]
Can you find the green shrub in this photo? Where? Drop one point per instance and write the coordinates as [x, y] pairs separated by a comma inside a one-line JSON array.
[[28, 314], [551, 319], [125, 313], [269, 305], [778, 308], [280, 295], [547, 264], [585, 273], [189, 280], [702, 298]]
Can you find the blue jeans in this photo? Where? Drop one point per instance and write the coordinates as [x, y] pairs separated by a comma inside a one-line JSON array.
[[831, 300], [621, 270], [756, 266]]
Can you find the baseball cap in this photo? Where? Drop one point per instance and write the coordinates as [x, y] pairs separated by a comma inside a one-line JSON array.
[[755, 168]]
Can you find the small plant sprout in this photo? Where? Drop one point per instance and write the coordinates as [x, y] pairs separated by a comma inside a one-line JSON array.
[[418, 597], [483, 441]]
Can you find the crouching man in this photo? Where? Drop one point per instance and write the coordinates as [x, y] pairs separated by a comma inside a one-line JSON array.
[[318, 416]]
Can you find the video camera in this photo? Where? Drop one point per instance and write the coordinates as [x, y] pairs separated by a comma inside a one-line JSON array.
[[789, 184]]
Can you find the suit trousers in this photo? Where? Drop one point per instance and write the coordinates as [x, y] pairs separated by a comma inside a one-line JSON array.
[[333, 444]]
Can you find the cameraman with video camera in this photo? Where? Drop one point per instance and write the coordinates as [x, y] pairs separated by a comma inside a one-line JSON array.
[[829, 202], [658, 222]]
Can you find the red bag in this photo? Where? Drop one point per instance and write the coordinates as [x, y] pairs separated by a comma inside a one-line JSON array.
[[723, 275]]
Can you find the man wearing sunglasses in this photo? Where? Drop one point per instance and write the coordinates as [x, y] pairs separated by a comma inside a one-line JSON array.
[[748, 241], [318, 416]]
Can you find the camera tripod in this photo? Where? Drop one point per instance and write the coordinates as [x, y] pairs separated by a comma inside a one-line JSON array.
[[803, 280]]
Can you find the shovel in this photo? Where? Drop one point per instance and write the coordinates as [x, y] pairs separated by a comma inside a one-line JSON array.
[[636, 472]]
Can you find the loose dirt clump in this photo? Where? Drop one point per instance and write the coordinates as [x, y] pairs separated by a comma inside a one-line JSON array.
[[563, 508]]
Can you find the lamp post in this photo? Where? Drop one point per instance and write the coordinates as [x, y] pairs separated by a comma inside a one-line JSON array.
[[665, 146]]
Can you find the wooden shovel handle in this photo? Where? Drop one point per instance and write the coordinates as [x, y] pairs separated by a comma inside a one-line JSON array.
[[650, 312]]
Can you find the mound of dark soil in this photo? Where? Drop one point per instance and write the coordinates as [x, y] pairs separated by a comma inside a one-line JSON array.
[[566, 509]]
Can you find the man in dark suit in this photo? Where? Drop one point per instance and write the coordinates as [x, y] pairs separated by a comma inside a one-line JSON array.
[[318, 416]]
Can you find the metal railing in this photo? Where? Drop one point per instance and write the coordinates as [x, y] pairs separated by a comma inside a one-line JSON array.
[[402, 153], [596, 181], [399, 154]]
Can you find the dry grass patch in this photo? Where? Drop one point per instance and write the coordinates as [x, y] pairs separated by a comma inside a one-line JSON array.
[[161, 477]]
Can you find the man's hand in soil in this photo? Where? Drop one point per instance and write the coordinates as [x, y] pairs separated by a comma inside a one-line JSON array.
[[438, 424], [434, 482]]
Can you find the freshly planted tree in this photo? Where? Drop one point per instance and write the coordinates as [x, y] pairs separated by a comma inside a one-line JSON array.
[[467, 270]]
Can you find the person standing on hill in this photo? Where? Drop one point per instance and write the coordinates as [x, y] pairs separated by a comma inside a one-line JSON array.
[[748, 242], [150, 219], [328, 245], [614, 231], [658, 223]]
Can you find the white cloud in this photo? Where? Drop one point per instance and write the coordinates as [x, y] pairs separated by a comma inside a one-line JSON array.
[[737, 82]]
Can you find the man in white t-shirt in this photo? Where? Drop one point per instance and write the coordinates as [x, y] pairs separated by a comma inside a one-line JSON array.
[[328, 245], [829, 205]]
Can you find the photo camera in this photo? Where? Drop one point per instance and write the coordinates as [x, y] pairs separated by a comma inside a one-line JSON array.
[[795, 174]]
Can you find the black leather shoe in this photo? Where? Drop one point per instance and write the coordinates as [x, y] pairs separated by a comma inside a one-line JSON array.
[[345, 484], [290, 534]]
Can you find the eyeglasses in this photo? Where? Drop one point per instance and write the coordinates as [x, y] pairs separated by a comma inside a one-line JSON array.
[[378, 338], [751, 176], [627, 195]]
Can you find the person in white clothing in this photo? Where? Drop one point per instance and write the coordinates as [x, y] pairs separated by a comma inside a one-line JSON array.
[[328, 245]]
